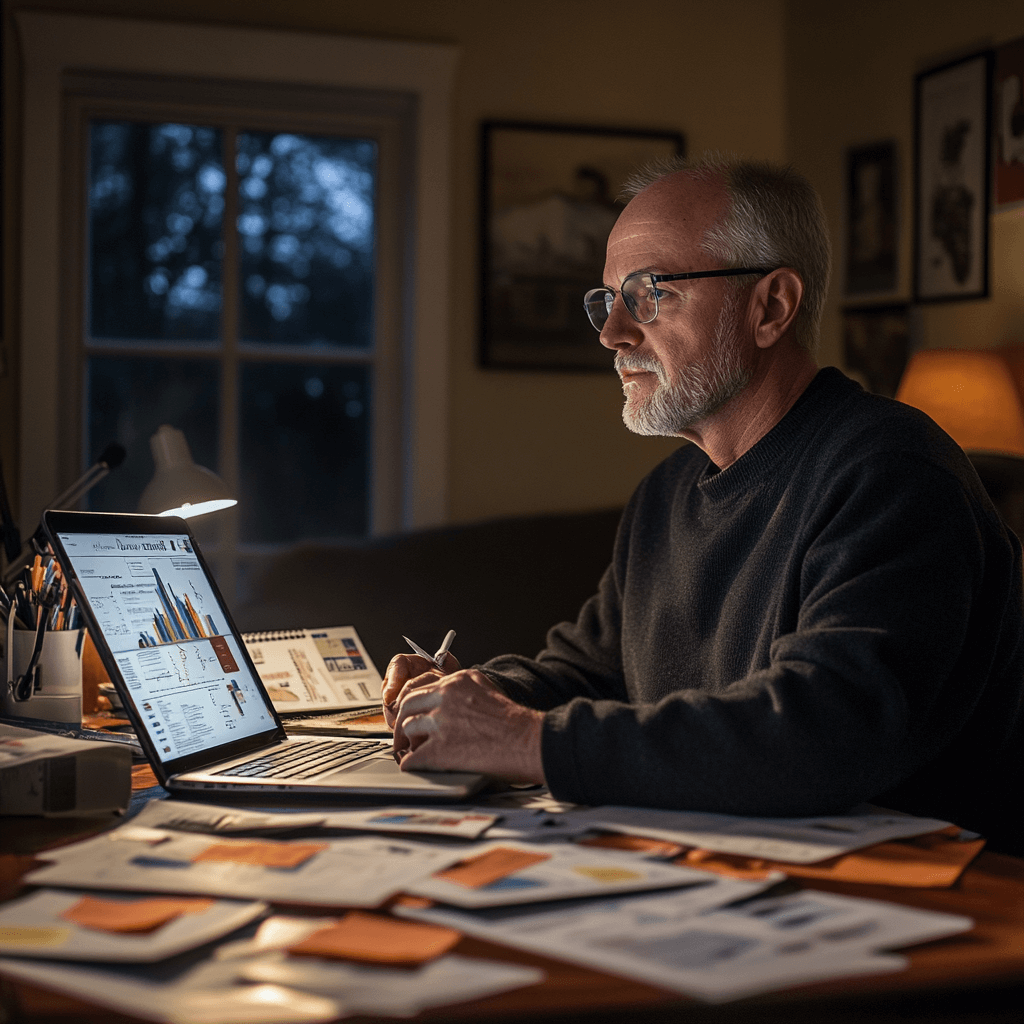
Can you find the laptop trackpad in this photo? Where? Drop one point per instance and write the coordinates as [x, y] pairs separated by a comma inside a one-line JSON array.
[[387, 768], [384, 764]]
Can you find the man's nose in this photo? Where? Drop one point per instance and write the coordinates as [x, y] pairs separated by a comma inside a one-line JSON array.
[[620, 330]]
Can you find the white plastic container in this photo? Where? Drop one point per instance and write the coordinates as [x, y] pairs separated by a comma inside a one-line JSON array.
[[58, 697]]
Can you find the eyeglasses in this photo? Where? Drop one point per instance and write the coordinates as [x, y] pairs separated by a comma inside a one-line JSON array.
[[640, 293]]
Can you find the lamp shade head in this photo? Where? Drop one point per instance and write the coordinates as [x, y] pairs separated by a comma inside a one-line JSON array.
[[973, 394], [179, 487]]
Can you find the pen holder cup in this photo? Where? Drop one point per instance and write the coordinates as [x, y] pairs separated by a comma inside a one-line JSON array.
[[57, 693]]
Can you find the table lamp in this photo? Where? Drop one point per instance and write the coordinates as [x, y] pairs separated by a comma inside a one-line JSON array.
[[179, 487], [975, 395]]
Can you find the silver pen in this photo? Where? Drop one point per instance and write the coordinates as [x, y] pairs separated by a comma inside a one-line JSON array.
[[438, 658]]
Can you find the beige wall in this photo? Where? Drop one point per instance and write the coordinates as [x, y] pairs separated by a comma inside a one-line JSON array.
[[850, 81], [528, 441], [799, 79]]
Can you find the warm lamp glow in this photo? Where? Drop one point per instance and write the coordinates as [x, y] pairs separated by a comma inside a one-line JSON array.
[[972, 394]]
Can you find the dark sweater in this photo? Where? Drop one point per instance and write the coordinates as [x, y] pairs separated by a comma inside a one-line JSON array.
[[836, 617]]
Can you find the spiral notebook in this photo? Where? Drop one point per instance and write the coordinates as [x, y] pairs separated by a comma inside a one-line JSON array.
[[318, 679]]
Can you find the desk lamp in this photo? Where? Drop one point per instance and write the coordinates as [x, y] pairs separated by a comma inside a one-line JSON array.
[[179, 487], [975, 395]]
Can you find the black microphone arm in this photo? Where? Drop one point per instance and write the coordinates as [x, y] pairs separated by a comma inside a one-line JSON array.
[[12, 535], [110, 458]]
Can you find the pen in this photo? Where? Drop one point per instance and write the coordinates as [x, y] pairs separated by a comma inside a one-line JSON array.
[[438, 658]]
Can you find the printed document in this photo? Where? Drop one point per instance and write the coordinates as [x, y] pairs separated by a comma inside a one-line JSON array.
[[362, 871], [796, 840], [540, 872], [219, 820], [712, 951], [41, 925]]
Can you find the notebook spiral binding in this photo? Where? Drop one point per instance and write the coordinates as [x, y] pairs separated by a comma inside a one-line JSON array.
[[275, 634]]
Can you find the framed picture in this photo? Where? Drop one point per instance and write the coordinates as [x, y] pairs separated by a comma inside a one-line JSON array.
[[1009, 127], [549, 197], [876, 345], [871, 220], [952, 128]]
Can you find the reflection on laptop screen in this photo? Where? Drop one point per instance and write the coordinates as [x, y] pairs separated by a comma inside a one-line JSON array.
[[169, 636]]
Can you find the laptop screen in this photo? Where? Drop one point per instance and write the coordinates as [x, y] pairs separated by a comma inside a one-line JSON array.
[[151, 598]]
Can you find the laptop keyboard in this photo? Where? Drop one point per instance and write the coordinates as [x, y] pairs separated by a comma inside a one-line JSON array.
[[302, 760]]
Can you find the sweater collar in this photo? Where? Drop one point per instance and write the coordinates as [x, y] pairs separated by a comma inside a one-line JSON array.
[[829, 388]]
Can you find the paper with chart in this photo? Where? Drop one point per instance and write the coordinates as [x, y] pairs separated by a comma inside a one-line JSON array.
[[387, 992], [195, 991], [315, 669], [226, 991], [185, 671], [711, 949], [361, 988], [42, 926], [497, 874], [220, 820], [796, 840], [362, 871]]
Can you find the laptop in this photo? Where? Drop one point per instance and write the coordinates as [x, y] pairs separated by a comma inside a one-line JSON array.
[[201, 713]]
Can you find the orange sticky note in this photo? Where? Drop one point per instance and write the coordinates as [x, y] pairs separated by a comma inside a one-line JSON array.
[[377, 939], [932, 861], [638, 844], [132, 915], [403, 899], [262, 853], [730, 865], [490, 866]]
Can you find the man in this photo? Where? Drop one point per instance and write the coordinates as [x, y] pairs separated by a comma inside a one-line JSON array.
[[812, 605]]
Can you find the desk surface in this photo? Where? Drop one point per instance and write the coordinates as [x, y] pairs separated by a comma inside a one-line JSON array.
[[977, 977]]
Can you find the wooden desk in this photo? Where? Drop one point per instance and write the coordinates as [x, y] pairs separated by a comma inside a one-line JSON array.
[[977, 977]]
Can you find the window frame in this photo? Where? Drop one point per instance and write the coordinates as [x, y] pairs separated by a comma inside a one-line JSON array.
[[234, 108], [55, 48]]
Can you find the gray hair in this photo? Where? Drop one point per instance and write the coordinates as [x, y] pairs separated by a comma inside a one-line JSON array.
[[775, 219]]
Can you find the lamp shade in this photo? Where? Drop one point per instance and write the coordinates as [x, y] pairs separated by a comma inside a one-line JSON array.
[[180, 487], [973, 394]]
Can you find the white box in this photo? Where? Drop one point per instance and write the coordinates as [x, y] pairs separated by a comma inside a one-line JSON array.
[[54, 776]]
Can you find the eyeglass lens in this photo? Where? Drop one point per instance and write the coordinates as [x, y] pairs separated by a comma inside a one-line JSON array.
[[598, 304], [638, 293]]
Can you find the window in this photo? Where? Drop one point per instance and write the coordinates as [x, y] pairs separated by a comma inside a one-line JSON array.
[[261, 264]]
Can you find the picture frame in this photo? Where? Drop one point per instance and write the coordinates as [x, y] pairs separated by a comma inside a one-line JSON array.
[[1008, 113], [876, 345], [548, 199], [952, 168], [872, 220]]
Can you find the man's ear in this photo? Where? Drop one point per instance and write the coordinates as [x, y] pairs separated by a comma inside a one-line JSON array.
[[777, 298]]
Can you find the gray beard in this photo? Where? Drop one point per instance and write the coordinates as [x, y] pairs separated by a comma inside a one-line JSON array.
[[699, 390]]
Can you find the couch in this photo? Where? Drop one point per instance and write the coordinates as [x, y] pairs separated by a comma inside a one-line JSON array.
[[501, 584]]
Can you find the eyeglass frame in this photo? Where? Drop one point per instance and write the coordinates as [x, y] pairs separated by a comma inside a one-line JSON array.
[[657, 279]]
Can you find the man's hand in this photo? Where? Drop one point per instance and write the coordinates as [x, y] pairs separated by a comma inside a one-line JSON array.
[[411, 669], [460, 722]]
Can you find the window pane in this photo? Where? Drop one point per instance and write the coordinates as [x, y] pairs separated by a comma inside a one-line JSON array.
[[306, 229], [127, 399], [305, 452], [156, 203]]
